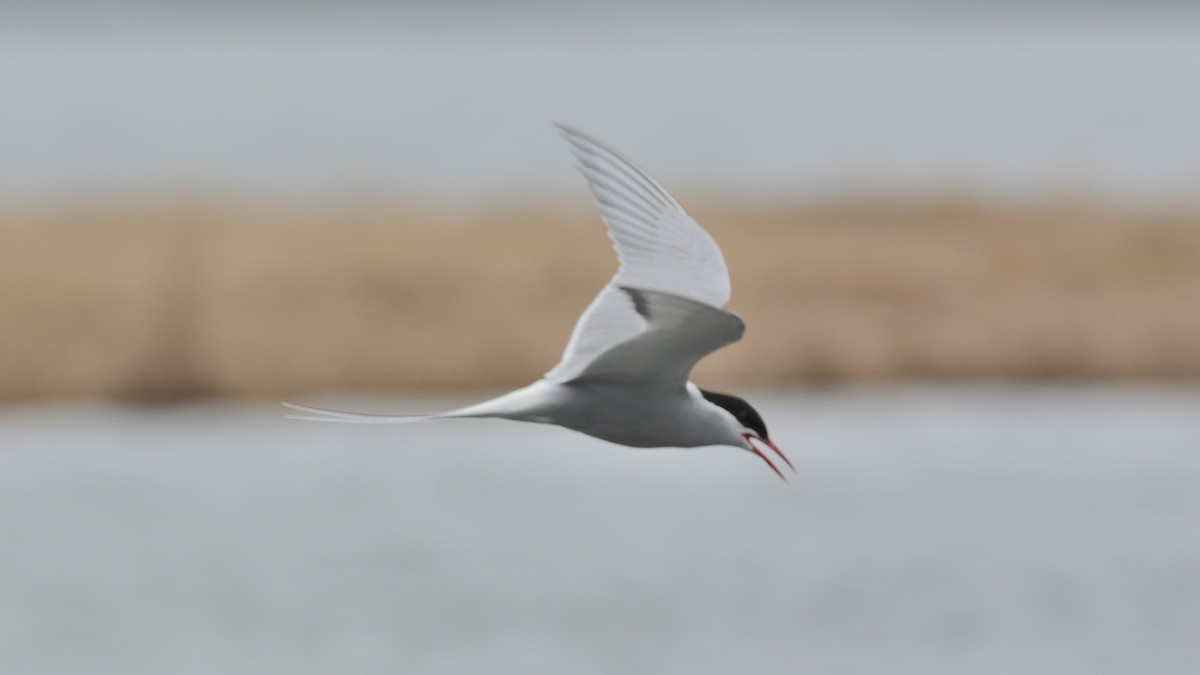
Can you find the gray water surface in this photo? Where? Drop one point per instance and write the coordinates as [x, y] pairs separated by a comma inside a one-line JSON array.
[[929, 530]]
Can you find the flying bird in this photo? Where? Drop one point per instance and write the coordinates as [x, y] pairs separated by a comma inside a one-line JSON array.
[[624, 375]]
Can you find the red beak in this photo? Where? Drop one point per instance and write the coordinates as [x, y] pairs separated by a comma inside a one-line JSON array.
[[765, 458]]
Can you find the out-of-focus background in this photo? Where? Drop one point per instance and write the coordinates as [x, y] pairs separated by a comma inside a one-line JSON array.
[[965, 238]]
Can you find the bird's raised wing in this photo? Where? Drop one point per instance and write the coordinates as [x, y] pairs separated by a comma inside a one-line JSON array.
[[660, 248]]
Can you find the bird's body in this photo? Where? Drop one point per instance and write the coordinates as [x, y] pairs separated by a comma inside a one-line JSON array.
[[614, 412], [624, 374]]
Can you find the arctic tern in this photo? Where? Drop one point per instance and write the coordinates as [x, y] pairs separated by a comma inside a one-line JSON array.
[[624, 375]]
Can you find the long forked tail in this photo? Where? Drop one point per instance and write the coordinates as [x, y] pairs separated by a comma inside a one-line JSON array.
[[515, 405], [326, 415]]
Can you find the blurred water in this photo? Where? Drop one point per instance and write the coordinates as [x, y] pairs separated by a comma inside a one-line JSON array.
[[748, 100], [929, 530]]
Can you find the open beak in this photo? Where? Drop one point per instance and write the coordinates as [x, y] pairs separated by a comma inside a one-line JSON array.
[[766, 459]]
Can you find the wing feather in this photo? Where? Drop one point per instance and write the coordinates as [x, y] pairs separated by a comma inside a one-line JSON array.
[[679, 332], [659, 246]]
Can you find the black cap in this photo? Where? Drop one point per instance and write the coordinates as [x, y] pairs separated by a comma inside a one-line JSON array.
[[741, 410]]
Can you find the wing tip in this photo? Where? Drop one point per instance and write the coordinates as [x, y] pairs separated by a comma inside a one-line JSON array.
[[581, 141], [567, 129]]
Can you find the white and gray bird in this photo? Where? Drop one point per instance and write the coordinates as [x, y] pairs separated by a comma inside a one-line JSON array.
[[624, 375]]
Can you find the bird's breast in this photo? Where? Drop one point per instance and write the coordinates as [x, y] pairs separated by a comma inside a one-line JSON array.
[[635, 418]]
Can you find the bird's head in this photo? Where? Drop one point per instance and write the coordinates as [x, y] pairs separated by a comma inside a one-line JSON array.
[[753, 428]]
